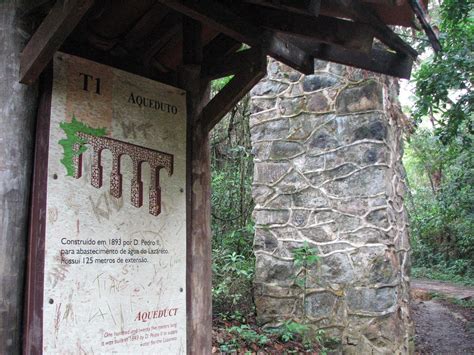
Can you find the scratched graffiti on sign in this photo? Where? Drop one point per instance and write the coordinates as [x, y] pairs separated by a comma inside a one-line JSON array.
[[115, 240]]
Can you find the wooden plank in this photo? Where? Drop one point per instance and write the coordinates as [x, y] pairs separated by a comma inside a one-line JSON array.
[[33, 324], [198, 197], [386, 2], [218, 67], [242, 82], [324, 29], [379, 60], [192, 42], [359, 12], [314, 7], [215, 14], [422, 15], [281, 49], [219, 47], [149, 21], [117, 17], [164, 35], [49, 36], [127, 62], [171, 54], [301, 7]]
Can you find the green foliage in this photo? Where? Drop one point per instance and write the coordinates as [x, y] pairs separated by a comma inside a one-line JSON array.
[[444, 82], [218, 84], [290, 330], [242, 336], [290, 338], [232, 206], [71, 128], [305, 256], [248, 335], [440, 161], [442, 273], [305, 333], [441, 178], [232, 291], [465, 303]]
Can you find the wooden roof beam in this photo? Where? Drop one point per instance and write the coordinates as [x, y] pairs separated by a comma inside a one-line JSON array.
[[219, 47], [351, 35], [302, 7], [147, 23], [218, 16], [50, 35], [422, 16], [359, 12], [249, 74], [126, 62], [218, 67], [378, 60], [161, 37], [386, 2]]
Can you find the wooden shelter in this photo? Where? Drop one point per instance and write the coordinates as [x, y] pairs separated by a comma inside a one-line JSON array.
[[188, 43]]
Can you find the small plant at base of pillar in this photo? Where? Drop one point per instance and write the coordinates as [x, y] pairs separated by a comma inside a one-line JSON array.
[[304, 258]]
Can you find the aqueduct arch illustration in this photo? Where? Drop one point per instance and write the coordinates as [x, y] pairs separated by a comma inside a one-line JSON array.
[[139, 155]]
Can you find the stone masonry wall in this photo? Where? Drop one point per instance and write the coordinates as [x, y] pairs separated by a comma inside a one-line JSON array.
[[328, 171]]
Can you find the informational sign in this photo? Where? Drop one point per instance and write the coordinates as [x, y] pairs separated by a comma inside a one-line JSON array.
[[115, 238]]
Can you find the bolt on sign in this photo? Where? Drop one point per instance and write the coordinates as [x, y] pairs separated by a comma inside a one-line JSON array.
[[114, 257]]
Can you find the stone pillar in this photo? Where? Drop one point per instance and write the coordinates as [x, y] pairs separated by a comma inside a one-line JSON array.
[[17, 116], [328, 172]]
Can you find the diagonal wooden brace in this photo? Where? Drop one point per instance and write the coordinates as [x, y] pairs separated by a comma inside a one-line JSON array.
[[50, 35], [233, 92]]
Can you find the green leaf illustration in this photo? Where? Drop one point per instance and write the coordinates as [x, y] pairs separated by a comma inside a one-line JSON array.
[[71, 128]]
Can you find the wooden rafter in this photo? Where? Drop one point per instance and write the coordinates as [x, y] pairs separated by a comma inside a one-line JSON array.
[[214, 14], [163, 36], [378, 60], [301, 7], [219, 47], [249, 74], [356, 36], [144, 26], [127, 63], [219, 67], [359, 12], [422, 16], [49, 36], [385, 2]]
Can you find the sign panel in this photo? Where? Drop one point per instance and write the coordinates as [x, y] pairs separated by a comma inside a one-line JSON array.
[[115, 237]]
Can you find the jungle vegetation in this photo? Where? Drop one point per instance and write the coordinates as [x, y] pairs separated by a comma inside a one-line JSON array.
[[438, 158], [439, 155]]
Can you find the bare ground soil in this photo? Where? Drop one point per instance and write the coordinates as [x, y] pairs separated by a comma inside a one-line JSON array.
[[442, 327]]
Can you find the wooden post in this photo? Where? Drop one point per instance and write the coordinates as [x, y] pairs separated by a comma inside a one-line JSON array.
[[17, 115], [199, 273]]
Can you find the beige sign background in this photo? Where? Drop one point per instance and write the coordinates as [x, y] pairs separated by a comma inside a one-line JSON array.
[[115, 243]]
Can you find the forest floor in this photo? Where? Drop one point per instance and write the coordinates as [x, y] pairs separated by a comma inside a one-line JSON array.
[[444, 317], [443, 314]]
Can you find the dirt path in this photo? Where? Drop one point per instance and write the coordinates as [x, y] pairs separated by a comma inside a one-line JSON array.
[[446, 288], [440, 326]]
